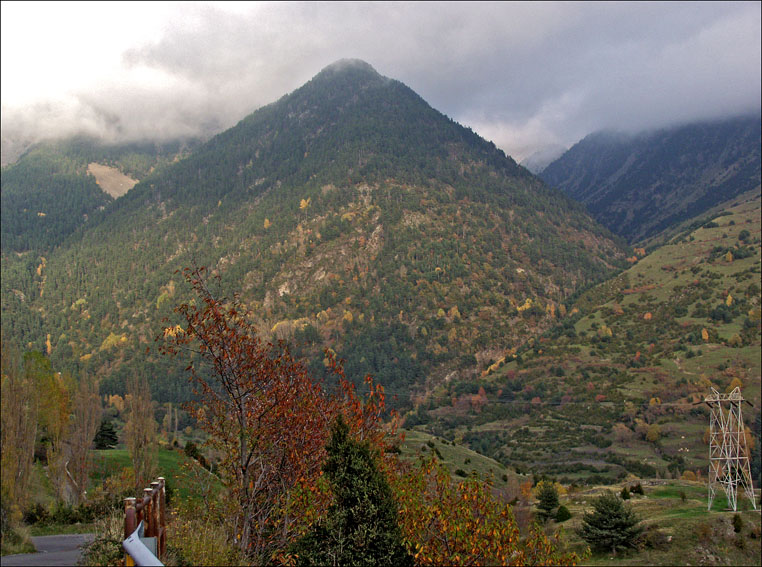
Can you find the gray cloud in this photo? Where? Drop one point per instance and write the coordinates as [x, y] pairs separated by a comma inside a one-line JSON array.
[[522, 74]]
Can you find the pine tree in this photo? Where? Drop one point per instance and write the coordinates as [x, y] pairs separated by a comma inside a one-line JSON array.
[[547, 496], [360, 527], [106, 437], [612, 525]]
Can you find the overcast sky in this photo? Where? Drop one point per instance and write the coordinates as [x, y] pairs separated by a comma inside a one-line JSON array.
[[524, 75]]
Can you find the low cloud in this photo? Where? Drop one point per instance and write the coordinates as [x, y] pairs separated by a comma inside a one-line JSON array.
[[524, 75]]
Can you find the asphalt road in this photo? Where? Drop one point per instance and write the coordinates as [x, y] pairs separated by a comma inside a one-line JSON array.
[[52, 550]]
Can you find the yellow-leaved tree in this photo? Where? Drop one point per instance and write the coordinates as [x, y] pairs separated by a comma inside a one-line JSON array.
[[140, 430], [445, 522]]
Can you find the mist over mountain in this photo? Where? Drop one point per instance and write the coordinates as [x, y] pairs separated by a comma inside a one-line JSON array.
[[347, 214], [639, 185], [540, 159]]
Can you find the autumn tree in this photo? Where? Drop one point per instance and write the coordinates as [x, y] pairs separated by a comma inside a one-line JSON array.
[[263, 413], [54, 414], [21, 382], [85, 419], [140, 430], [449, 523]]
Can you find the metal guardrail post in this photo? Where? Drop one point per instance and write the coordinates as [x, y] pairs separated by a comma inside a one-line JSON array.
[[137, 550]]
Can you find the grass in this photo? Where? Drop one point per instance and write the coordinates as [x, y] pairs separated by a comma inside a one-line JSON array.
[[690, 534], [112, 461], [58, 529], [454, 457], [17, 541]]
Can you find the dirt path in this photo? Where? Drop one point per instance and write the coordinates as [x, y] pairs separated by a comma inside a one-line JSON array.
[[51, 550]]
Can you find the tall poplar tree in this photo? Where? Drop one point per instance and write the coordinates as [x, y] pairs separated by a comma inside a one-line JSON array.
[[140, 430]]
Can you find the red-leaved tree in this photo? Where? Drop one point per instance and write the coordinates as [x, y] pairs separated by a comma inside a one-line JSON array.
[[264, 414]]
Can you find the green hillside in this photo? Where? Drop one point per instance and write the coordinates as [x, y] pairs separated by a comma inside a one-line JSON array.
[[349, 214], [48, 194], [611, 390]]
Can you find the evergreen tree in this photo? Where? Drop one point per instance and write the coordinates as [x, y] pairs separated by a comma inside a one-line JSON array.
[[547, 496], [106, 437], [612, 525], [562, 514], [360, 527]]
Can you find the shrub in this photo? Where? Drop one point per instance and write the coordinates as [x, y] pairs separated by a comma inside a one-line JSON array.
[[106, 548], [37, 514], [204, 539], [625, 494], [637, 489], [653, 538], [737, 523], [704, 532], [562, 514]]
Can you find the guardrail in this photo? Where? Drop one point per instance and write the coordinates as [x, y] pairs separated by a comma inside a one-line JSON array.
[[145, 526]]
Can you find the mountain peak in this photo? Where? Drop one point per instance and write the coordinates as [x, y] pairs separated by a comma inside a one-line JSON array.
[[343, 65], [350, 72]]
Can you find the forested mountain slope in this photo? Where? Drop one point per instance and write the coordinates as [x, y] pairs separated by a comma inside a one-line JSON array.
[[613, 389], [348, 214], [639, 185], [49, 192]]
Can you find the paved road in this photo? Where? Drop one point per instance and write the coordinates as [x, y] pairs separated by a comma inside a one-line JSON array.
[[52, 550]]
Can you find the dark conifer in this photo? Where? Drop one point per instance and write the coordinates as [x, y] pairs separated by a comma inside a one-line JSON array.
[[612, 525], [106, 437], [360, 527]]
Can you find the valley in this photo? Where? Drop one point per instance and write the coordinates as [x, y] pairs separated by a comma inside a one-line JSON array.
[[560, 328]]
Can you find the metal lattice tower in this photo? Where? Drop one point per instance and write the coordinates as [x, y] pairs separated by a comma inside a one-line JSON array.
[[729, 465]]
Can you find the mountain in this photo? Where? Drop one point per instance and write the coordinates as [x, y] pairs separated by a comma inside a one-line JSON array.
[[614, 388], [56, 186], [348, 214], [639, 185], [542, 158]]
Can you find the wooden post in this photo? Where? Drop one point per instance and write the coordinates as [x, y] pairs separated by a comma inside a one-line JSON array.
[[151, 510], [130, 524], [163, 517], [155, 506], [148, 513], [155, 515]]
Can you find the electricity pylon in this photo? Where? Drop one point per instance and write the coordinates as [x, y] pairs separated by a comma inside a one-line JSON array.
[[729, 465]]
